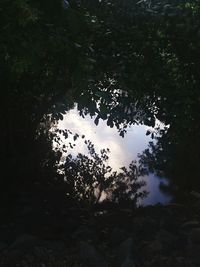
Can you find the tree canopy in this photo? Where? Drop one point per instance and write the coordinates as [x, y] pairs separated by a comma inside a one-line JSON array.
[[124, 62]]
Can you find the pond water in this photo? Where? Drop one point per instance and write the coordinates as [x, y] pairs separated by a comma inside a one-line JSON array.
[[122, 150]]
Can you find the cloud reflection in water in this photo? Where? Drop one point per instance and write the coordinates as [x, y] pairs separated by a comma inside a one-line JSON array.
[[122, 150]]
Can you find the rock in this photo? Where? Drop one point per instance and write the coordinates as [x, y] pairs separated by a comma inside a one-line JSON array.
[[2, 246], [141, 222], [7, 233], [166, 238], [65, 4], [11, 258], [83, 233], [144, 227], [193, 253], [125, 253], [117, 236], [72, 224], [194, 236], [24, 242], [155, 246], [128, 263], [56, 245], [90, 256], [190, 224], [138, 222], [175, 205], [195, 194]]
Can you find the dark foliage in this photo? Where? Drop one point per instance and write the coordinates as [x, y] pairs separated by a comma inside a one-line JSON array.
[[120, 61]]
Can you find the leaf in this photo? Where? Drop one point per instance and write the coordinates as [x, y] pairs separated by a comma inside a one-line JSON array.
[[60, 116], [96, 121], [110, 122], [122, 134], [65, 135], [104, 116], [148, 132]]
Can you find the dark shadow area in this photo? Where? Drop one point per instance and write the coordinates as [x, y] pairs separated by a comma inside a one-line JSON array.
[[125, 62]]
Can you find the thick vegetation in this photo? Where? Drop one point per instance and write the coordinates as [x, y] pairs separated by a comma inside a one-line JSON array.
[[122, 62]]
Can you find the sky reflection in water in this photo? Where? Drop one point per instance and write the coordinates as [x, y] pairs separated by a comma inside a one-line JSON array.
[[122, 150]]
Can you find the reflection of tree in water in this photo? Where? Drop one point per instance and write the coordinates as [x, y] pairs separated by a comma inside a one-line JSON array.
[[118, 107], [50, 56], [176, 155], [89, 178]]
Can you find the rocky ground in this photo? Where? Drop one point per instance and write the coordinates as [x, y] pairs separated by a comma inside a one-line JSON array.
[[167, 236]]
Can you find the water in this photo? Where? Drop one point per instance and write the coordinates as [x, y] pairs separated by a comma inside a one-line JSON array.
[[122, 150]]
